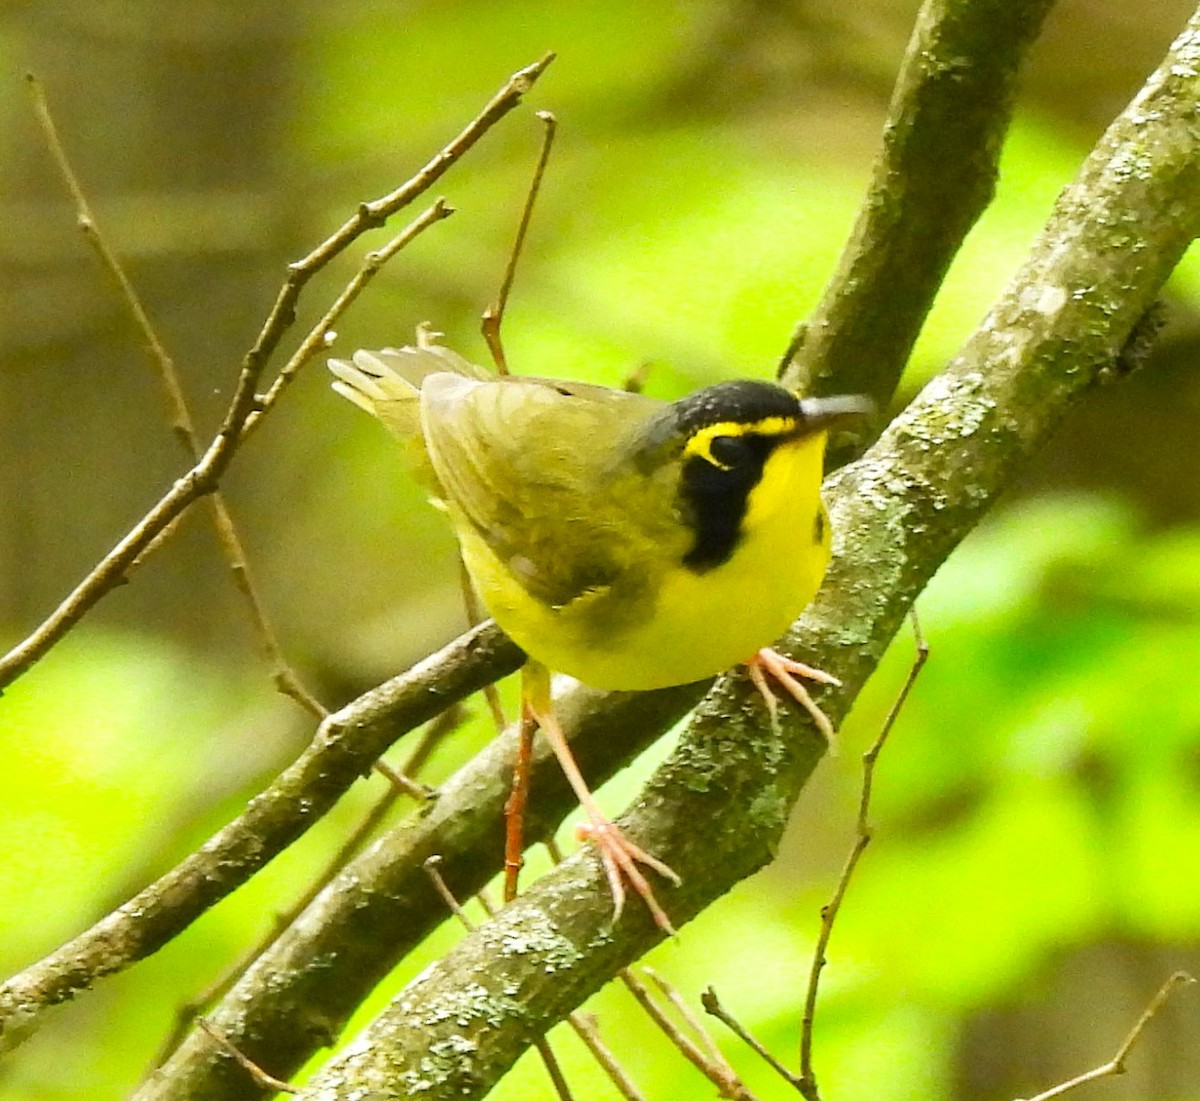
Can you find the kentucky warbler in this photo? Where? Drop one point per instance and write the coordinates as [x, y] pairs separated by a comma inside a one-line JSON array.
[[629, 542]]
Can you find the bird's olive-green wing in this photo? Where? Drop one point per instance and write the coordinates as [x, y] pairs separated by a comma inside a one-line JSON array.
[[545, 472]]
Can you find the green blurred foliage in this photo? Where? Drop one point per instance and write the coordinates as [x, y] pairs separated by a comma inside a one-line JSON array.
[[1040, 791]]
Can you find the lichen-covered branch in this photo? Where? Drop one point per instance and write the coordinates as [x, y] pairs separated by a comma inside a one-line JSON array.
[[933, 177], [345, 747], [299, 994], [717, 807]]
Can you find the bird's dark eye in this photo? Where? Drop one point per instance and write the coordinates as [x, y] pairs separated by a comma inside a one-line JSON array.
[[730, 451]]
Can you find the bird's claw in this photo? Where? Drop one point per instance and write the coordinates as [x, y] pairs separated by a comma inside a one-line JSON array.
[[785, 671], [620, 858]]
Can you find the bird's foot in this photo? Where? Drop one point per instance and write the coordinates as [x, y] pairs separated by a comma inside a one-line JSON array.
[[785, 672], [621, 858]]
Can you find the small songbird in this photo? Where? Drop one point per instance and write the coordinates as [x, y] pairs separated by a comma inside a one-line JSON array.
[[629, 542]]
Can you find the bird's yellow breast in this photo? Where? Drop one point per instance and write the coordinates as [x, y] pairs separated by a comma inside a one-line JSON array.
[[682, 624]]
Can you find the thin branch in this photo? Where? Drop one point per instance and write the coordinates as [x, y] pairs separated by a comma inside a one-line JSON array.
[[717, 1071], [588, 1030], [1116, 1065], [807, 1081], [712, 1004], [344, 748], [322, 333], [445, 894], [677, 1000], [182, 426], [204, 476], [403, 783], [257, 1075], [493, 316], [375, 213]]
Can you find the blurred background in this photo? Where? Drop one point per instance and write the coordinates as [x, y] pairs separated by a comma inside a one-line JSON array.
[[1034, 877]]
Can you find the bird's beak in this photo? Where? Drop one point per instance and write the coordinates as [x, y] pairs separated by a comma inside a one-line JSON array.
[[823, 414]]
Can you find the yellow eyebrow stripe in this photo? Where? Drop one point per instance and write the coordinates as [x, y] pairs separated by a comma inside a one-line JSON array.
[[700, 443]]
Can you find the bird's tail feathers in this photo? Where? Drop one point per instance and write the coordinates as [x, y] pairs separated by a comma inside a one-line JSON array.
[[387, 383]]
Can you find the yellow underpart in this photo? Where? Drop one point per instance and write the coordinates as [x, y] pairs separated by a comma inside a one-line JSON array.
[[688, 625], [700, 443]]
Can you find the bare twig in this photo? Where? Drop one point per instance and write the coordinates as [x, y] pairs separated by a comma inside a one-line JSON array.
[[182, 426], [204, 476], [432, 869], [668, 991], [712, 1004], [321, 334], [373, 214], [403, 783], [493, 316], [587, 1029], [807, 1082], [717, 1071], [1116, 1065], [260, 1076]]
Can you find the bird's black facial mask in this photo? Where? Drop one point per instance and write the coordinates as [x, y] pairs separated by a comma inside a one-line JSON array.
[[730, 431], [715, 496]]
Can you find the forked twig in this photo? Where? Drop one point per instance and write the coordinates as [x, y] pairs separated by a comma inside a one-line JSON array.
[[321, 335], [717, 1070], [205, 474], [1116, 1065], [807, 1082]]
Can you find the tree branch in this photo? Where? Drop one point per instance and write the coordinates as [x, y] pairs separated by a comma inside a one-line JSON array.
[[934, 176], [716, 809], [345, 747], [204, 476], [382, 906]]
